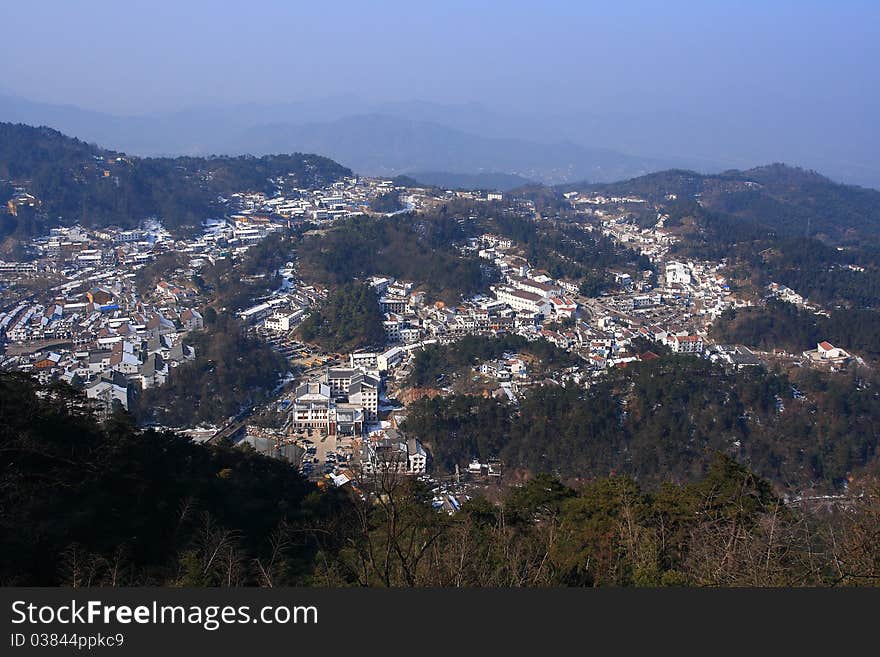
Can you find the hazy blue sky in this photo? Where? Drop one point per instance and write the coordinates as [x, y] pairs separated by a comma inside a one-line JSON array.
[[763, 79], [137, 56]]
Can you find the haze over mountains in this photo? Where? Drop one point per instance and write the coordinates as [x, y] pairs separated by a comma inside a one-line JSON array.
[[393, 138], [77, 181]]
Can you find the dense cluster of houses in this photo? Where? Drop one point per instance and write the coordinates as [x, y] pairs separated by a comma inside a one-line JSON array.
[[93, 328], [102, 338]]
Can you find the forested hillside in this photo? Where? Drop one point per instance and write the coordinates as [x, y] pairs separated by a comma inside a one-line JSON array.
[[416, 248], [663, 420], [348, 320], [443, 360], [783, 325], [566, 250], [79, 182], [90, 505], [84, 504], [231, 371], [790, 201]]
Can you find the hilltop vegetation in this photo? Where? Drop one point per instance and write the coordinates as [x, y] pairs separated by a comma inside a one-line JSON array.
[[780, 324], [419, 248], [82, 183], [423, 248], [447, 359], [566, 250], [91, 505], [848, 278], [348, 320], [790, 201], [231, 371], [562, 246], [774, 223], [236, 282], [387, 202], [662, 421]]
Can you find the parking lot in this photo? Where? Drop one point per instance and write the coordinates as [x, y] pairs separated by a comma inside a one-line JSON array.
[[324, 454]]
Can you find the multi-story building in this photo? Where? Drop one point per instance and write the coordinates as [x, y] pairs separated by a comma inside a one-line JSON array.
[[686, 344], [192, 320], [340, 402], [535, 287], [417, 457], [281, 321], [385, 456], [389, 359], [393, 304], [315, 408], [340, 378], [364, 393], [392, 328], [389, 452], [18, 268], [678, 273], [311, 407], [522, 300], [367, 360]]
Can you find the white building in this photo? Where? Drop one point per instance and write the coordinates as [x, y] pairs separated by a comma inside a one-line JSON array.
[[361, 388], [367, 360], [522, 300], [311, 407], [417, 457], [678, 273], [392, 329], [281, 321], [686, 344], [107, 393], [563, 307], [825, 351], [390, 359], [542, 288]]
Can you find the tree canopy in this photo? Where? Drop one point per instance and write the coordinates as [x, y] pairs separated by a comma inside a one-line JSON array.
[[348, 320], [82, 183], [86, 504], [662, 420], [231, 371]]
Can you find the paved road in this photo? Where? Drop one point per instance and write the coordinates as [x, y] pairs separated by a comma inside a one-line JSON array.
[[18, 348]]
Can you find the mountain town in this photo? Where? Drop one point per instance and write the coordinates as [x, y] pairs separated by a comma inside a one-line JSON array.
[[121, 314]]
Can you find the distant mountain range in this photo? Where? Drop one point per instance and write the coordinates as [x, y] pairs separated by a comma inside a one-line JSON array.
[[387, 140], [493, 180], [378, 144], [549, 146]]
